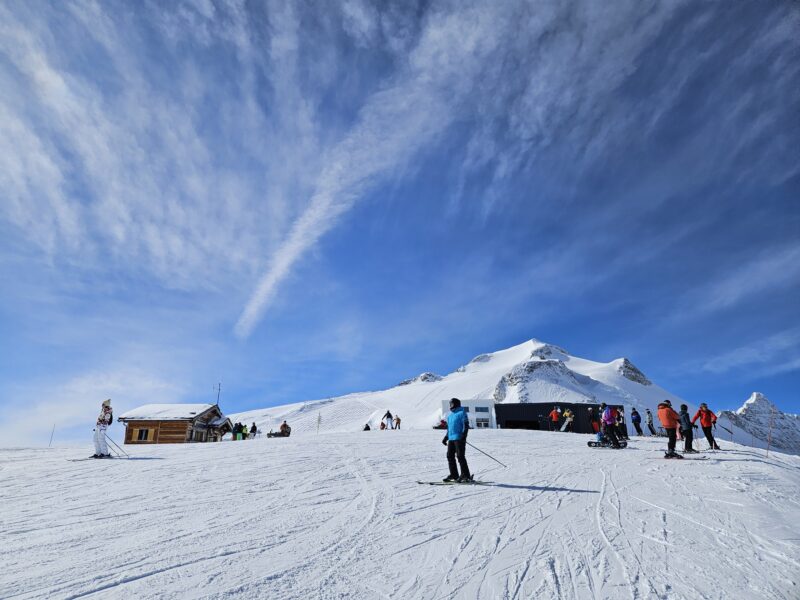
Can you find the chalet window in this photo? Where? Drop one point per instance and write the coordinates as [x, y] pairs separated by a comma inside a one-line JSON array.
[[142, 435], [466, 409], [482, 409], [482, 423]]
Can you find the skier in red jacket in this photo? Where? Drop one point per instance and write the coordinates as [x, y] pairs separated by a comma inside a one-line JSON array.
[[707, 420], [554, 417]]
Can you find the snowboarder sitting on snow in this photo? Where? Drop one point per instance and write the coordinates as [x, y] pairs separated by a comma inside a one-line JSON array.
[[636, 419], [103, 422], [686, 429], [707, 419], [367, 427], [669, 421], [649, 418], [608, 422], [456, 441], [285, 430]]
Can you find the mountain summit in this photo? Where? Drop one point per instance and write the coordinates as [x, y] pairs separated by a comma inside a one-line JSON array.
[[751, 424]]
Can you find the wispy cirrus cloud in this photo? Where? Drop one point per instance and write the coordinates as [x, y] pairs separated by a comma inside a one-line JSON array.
[[778, 353]]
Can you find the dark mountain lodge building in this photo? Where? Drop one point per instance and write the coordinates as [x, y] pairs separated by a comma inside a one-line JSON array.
[[175, 424], [535, 415]]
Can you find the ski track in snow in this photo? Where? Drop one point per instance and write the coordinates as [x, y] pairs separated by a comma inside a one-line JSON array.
[[341, 516]]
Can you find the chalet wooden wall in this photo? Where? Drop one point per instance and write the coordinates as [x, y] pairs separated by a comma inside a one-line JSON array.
[[163, 432]]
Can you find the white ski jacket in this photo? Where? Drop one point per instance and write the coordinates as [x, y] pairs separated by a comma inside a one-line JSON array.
[[105, 418]]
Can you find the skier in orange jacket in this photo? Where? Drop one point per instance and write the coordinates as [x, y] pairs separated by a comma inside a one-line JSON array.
[[669, 421], [707, 420]]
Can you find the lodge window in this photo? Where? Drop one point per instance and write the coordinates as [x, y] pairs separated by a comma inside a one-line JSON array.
[[142, 435], [482, 409], [482, 423]]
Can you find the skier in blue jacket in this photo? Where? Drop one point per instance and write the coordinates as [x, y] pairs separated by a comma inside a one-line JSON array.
[[456, 442]]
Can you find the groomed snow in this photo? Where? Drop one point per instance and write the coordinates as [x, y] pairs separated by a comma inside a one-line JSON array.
[[339, 515]]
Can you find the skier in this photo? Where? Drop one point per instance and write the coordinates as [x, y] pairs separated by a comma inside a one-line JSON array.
[[707, 419], [253, 431], [636, 419], [669, 421], [456, 441], [388, 418], [594, 420], [396, 422], [608, 422], [103, 422], [686, 430], [555, 415], [649, 418]]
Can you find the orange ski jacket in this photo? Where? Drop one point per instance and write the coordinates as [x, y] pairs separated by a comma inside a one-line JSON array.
[[668, 417]]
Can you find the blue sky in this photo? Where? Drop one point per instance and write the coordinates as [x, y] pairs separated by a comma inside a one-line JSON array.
[[302, 200]]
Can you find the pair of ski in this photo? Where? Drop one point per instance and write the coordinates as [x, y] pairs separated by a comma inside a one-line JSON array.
[[472, 482], [90, 458]]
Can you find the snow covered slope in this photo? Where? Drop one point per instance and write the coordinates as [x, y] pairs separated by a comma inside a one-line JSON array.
[[530, 372], [751, 425], [340, 516]]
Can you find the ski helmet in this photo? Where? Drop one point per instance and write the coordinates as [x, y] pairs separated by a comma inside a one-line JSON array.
[[454, 403]]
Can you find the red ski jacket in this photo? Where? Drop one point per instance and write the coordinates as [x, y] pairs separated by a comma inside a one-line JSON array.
[[707, 418], [554, 416]]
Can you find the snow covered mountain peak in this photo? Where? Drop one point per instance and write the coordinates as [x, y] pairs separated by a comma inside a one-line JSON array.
[[759, 420], [629, 371], [756, 403]]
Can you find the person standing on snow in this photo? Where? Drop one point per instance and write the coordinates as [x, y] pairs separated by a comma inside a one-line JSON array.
[[636, 419], [397, 422], [669, 421], [253, 431], [456, 441], [103, 422], [554, 415], [707, 419], [622, 428], [594, 420], [649, 418], [387, 418], [686, 430], [608, 422]]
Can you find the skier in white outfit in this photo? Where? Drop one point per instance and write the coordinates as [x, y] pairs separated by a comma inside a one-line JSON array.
[[103, 421]]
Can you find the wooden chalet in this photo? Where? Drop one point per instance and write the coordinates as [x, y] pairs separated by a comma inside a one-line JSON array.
[[175, 424]]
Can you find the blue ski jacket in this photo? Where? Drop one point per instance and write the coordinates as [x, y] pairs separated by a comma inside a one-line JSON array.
[[457, 424], [636, 418]]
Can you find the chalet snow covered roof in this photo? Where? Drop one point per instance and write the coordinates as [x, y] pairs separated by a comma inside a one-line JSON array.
[[166, 412]]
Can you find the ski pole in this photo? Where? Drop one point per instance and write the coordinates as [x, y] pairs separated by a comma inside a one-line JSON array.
[[489, 455], [118, 449]]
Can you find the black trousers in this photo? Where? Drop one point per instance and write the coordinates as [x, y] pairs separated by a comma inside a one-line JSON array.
[[638, 428], [456, 449], [673, 437], [610, 432], [709, 436], [650, 427], [688, 436]]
